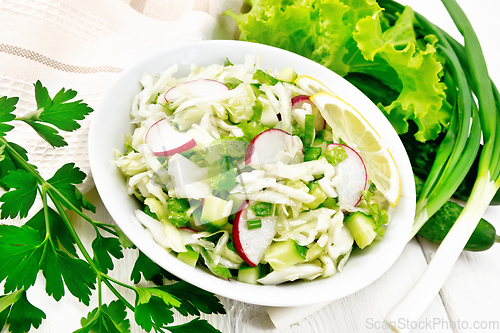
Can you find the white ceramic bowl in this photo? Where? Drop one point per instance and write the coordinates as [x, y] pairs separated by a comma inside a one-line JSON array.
[[111, 121]]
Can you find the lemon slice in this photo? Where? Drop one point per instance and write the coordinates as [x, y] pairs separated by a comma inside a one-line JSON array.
[[311, 85], [348, 124]]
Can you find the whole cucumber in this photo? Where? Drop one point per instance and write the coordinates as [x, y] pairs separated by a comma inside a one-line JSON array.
[[438, 225]]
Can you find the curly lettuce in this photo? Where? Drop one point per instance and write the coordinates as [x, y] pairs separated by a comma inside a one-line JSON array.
[[354, 39]]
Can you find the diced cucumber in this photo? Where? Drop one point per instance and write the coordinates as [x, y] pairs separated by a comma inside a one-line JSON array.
[[284, 254], [248, 274], [330, 203], [314, 252], [190, 257], [297, 184], [362, 228], [319, 194], [215, 211], [287, 74]]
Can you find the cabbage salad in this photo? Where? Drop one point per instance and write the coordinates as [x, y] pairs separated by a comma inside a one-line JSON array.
[[237, 172]]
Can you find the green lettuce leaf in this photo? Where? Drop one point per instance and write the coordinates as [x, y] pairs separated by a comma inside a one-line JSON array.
[[354, 36], [422, 94]]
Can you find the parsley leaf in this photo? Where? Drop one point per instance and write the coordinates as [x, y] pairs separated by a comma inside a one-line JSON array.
[[60, 111], [106, 319], [58, 230], [7, 163], [20, 253], [149, 270], [18, 201], [77, 274], [104, 248], [22, 315], [7, 106], [194, 326], [48, 133], [194, 299], [64, 181], [151, 310], [47, 242], [42, 96]]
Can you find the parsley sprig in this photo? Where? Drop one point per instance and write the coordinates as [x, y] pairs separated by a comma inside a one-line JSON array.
[[48, 242]]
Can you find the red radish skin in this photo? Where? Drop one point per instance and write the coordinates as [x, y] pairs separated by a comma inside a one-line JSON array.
[[299, 101], [265, 146], [354, 176], [197, 88], [187, 229], [252, 244], [164, 140]]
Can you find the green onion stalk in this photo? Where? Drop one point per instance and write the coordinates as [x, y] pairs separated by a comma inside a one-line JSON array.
[[469, 72]]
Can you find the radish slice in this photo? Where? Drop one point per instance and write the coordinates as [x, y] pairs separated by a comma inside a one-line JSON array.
[[298, 103], [353, 177], [195, 88], [164, 140], [251, 244], [274, 145]]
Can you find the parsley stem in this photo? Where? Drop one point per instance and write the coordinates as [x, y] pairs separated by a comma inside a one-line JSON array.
[[43, 194], [111, 279], [72, 207], [101, 277], [99, 290], [72, 231], [20, 160], [107, 280]]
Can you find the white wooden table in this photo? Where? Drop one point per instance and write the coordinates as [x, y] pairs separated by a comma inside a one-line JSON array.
[[468, 302]]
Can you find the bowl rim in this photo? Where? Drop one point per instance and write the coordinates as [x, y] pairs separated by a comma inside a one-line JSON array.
[[288, 294]]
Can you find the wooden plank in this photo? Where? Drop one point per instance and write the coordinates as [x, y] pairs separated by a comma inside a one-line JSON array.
[[471, 292]]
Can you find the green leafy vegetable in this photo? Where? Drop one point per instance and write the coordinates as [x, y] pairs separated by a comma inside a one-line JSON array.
[[355, 37], [262, 209], [149, 270], [7, 107], [60, 112], [48, 242], [455, 156], [18, 201], [265, 78], [232, 83], [106, 319], [336, 155], [21, 315], [379, 215]]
